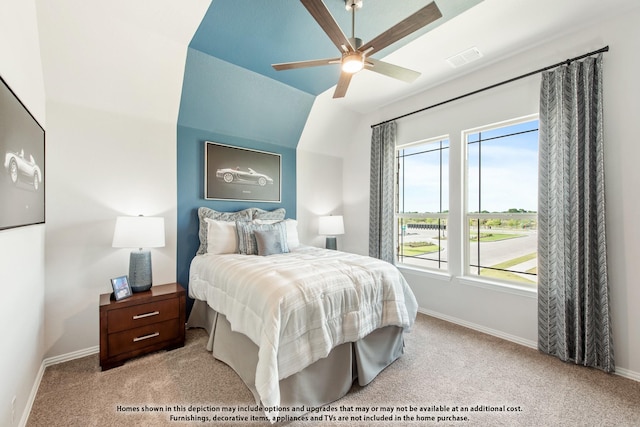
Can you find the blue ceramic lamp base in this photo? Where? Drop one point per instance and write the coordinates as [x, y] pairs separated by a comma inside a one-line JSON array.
[[331, 243], [140, 271]]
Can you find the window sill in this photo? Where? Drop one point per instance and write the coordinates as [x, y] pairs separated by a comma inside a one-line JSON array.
[[433, 274], [499, 286], [471, 281]]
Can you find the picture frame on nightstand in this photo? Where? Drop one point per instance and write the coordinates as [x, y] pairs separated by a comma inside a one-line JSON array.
[[121, 288]]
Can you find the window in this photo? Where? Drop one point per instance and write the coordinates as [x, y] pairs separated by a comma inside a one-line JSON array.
[[493, 225], [502, 201], [423, 203]]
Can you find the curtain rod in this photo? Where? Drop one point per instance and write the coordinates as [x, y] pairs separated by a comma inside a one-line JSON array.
[[567, 62]]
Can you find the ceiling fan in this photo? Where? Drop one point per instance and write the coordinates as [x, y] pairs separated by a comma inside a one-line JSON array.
[[355, 54]]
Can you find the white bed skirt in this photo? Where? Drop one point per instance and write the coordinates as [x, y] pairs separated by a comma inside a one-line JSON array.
[[320, 383]]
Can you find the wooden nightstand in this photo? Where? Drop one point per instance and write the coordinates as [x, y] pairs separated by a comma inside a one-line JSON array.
[[145, 322]]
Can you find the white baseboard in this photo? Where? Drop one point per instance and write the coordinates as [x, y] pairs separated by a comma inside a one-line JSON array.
[[32, 396], [632, 375], [479, 328], [49, 362], [626, 373], [70, 356]]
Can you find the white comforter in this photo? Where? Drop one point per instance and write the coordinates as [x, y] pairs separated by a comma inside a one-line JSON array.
[[296, 307]]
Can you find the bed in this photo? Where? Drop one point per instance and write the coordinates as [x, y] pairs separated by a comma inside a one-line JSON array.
[[299, 324]]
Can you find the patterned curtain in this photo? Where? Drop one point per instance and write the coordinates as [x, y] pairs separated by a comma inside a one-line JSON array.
[[573, 298], [381, 204]]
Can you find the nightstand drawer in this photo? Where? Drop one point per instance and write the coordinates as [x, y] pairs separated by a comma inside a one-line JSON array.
[[143, 314], [145, 322], [144, 336]]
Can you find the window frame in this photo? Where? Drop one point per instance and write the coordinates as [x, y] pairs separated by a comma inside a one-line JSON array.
[[468, 277], [398, 216], [457, 263]]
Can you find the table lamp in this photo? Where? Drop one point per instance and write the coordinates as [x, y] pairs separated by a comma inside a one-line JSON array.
[[140, 232], [331, 226]]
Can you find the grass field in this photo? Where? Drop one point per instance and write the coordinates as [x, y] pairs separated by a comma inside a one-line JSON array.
[[494, 237], [419, 248], [505, 275]]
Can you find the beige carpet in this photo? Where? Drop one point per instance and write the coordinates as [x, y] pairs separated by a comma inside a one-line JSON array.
[[444, 366]]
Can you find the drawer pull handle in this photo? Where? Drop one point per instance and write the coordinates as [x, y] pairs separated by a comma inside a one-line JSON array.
[[142, 316], [146, 337]]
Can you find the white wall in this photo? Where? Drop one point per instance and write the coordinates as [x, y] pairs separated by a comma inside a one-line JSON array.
[[100, 165], [323, 144], [113, 73], [513, 315], [318, 177], [21, 249]]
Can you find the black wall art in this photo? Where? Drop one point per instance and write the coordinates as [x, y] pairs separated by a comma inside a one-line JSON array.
[[22, 176], [233, 173]]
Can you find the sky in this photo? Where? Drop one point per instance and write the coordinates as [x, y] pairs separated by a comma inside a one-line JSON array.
[[508, 172]]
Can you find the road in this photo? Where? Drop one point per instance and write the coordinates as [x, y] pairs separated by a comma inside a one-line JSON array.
[[491, 253]]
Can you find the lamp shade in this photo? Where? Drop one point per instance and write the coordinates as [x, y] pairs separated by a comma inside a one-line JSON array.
[[330, 225], [138, 232]]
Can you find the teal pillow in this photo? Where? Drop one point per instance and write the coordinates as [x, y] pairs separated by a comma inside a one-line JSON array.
[[269, 242]]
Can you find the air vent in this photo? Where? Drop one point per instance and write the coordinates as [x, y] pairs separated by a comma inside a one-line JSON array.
[[465, 57]]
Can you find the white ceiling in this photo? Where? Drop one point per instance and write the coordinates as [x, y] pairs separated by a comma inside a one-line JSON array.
[[106, 55], [498, 28]]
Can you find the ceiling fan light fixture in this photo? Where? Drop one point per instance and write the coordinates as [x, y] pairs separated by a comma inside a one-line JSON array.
[[352, 62]]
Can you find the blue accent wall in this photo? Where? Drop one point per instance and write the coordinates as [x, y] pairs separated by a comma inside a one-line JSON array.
[[224, 103], [231, 100]]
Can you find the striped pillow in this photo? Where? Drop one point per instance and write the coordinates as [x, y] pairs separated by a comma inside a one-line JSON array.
[[247, 244]]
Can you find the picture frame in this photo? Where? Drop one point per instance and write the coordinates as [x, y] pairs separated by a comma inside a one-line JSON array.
[[121, 288], [241, 174], [22, 163]]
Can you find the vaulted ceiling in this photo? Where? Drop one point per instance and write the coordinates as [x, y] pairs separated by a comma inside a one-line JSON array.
[[255, 34], [119, 55]]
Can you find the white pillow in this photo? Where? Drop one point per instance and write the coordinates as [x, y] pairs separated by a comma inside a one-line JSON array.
[[221, 237], [292, 233], [291, 225]]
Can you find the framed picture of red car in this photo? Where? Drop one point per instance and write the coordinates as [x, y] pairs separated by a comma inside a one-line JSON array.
[[22, 163], [234, 173]]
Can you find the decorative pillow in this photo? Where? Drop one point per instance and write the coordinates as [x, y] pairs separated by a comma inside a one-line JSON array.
[[247, 244], [269, 242], [244, 215], [291, 225], [292, 233], [222, 237], [276, 214]]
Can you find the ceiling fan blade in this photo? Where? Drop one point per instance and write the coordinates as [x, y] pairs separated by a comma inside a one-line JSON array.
[[343, 84], [321, 14], [305, 64], [420, 19], [391, 70]]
